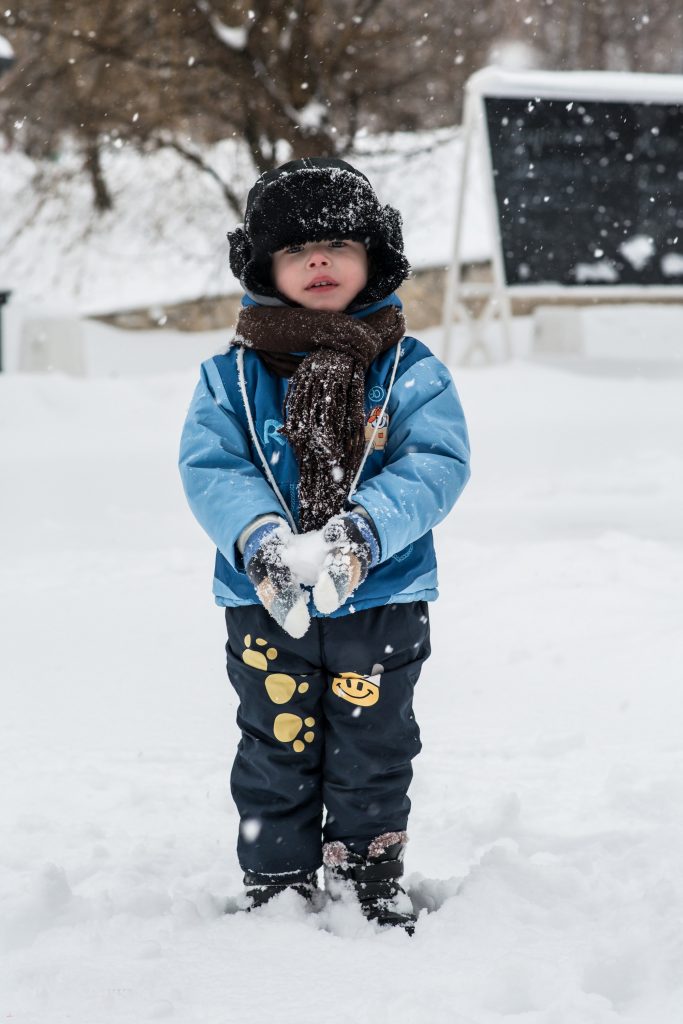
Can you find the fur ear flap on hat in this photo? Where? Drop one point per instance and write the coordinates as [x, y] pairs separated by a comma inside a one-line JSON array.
[[240, 251], [393, 223]]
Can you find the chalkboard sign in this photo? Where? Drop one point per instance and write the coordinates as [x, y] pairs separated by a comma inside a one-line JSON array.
[[589, 192], [583, 177]]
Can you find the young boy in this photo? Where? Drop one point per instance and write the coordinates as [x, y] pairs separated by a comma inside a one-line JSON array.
[[323, 416]]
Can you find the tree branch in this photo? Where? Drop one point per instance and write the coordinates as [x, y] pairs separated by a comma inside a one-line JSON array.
[[231, 197]]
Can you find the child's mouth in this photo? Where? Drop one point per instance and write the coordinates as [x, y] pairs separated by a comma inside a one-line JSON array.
[[322, 285]]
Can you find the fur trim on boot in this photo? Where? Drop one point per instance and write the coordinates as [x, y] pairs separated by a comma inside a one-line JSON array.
[[381, 844], [373, 880]]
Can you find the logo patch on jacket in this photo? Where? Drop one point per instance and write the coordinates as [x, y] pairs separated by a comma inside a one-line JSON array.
[[271, 433], [382, 430]]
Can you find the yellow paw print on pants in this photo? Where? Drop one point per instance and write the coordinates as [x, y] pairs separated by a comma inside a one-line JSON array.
[[287, 726], [257, 659], [280, 688]]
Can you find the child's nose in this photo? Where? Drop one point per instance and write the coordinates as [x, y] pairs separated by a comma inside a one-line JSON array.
[[318, 258]]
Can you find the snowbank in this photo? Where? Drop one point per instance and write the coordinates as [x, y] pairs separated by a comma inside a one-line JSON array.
[[546, 833]]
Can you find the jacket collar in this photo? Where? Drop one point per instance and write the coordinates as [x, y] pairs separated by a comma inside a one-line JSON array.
[[248, 299]]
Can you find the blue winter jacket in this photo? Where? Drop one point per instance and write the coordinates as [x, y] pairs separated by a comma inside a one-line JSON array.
[[411, 479]]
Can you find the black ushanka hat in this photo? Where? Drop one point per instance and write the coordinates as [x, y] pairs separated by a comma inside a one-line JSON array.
[[312, 200]]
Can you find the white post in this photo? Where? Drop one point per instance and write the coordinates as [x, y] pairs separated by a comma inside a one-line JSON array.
[[453, 275], [500, 296]]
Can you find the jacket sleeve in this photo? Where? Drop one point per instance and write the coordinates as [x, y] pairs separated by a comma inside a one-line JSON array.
[[224, 488], [427, 458]]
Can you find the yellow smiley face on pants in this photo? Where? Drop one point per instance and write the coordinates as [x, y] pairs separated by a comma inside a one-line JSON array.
[[363, 691]]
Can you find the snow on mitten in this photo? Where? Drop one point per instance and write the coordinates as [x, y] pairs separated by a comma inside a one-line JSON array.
[[277, 590], [354, 551]]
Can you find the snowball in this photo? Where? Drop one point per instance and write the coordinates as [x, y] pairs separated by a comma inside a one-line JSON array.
[[638, 250], [305, 554], [601, 271], [672, 264]]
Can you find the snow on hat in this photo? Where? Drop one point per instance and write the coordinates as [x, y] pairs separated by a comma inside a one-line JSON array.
[[312, 200]]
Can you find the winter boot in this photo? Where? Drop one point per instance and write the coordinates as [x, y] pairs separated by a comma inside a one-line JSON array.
[[373, 879], [260, 888]]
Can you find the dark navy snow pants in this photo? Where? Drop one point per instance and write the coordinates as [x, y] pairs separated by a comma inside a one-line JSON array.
[[327, 724]]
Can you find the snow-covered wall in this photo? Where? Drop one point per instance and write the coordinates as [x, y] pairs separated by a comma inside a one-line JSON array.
[[165, 242]]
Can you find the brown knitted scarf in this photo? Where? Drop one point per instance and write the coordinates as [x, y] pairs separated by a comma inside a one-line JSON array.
[[324, 409]]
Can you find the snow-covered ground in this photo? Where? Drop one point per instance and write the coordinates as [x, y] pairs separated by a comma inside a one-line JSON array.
[[546, 831]]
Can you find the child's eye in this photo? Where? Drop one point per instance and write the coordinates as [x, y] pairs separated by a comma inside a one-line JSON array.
[[337, 243], [294, 248]]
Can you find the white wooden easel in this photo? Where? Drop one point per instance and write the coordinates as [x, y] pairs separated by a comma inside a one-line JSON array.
[[495, 296]]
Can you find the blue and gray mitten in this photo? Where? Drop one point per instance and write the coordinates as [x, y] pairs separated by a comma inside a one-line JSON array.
[[279, 593], [354, 550]]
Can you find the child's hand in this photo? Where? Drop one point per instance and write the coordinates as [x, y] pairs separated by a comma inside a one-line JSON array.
[[354, 549], [277, 590]]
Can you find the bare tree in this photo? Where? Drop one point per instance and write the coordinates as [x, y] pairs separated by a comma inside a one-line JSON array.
[[298, 74], [284, 76]]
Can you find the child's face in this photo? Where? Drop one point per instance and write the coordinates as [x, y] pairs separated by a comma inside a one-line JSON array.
[[321, 275]]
